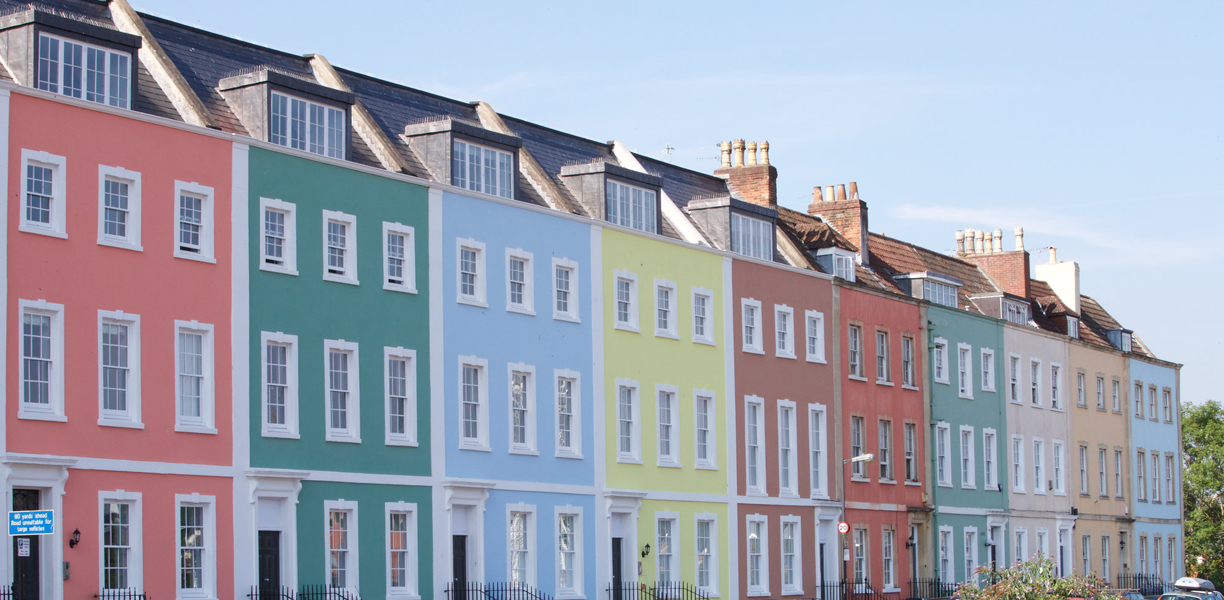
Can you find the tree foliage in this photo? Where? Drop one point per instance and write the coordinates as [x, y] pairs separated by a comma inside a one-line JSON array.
[[1036, 579], [1203, 489]]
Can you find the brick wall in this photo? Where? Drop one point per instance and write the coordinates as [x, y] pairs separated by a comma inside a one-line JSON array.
[[1009, 270], [757, 184]]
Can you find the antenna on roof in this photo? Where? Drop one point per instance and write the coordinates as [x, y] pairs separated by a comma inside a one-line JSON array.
[[667, 149]]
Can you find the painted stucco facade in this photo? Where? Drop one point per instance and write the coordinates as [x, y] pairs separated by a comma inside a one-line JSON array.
[[1155, 432]]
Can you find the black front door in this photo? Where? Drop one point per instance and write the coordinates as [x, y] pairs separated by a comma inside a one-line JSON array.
[[269, 563], [25, 551], [459, 565], [616, 568]]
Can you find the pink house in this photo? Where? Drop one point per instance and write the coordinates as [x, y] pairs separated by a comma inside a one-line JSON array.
[[117, 349]]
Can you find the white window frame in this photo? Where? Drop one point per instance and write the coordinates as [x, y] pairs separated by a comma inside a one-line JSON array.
[[209, 504], [710, 462], [855, 356], [527, 306], [712, 518], [575, 448], [1043, 541], [1103, 472], [635, 395], [788, 487], [1039, 471], [943, 453], [945, 550], [288, 264], [909, 368], [409, 436], [412, 590], [1116, 392], [964, 364], [108, 95], [757, 345], [1100, 380], [619, 205], [883, 377], [1058, 467], [1020, 534], [290, 429], [752, 237], [578, 590], [532, 549], [708, 338], [1057, 390], [796, 586], [574, 312], [409, 285], [988, 370], [971, 482], [129, 417], [675, 546], [1019, 475], [504, 183], [1015, 381], [990, 460], [1105, 543], [135, 537], [1036, 401], [481, 441], [350, 247], [131, 241], [207, 226], [324, 143], [940, 362], [673, 312], [530, 447], [888, 559], [480, 298], [763, 588], [971, 552], [817, 414], [757, 489], [1081, 389], [352, 433], [858, 470], [351, 567], [632, 313], [886, 453], [785, 349], [1170, 478], [208, 389], [810, 318], [58, 227], [671, 459], [909, 443]]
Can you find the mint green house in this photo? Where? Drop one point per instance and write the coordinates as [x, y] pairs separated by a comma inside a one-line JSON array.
[[339, 409]]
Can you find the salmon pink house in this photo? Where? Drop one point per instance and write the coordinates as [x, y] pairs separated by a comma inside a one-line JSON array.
[[116, 349]]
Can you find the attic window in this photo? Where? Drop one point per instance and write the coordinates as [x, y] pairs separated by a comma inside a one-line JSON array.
[[81, 70], [837, 261], [304, 125], [751, 237], [483, 169], [1126, 341], [1073, 328], [632, 206], [939, 293], [1016, 313]]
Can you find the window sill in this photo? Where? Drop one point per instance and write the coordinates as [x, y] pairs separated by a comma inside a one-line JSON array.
[[914, 483], [520, 310], [195, 429], [474, 446], [788, 494], [1057, 409], [819, 496], [788, 355], [285, 435], [944, 485], [756, 493], [1018, 491], [911, 388], [283, 270], [41, 416], [885, 382], [395, 287], [704, 340], [669, 464], [890, 590], [965, 486], [340, 279], [706, 467], [1063, 494], [859, 479], [627, 327], [792, 592], [752, 350], [566, 317], [857, 378], [943, 381], [47, 231], [965, 396], [120, 423], [569, 455], [122, 245], [888, 481], [820, 361], [196, 257], [757, 593], [666, 334], [342, 439], [400, 442], [470, 301], [524, 452], [1102, 409], [628, 460]]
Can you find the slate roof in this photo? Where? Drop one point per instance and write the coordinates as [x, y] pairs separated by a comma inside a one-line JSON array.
[[898, 257]]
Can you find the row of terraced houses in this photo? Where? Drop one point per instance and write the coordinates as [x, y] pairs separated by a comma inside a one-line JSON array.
[[276, 325]]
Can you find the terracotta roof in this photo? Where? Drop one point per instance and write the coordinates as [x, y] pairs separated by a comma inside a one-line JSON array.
[[898, 257], [1095, 321]]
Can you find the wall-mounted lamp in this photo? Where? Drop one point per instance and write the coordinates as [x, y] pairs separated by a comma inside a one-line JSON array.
[[1122, 544], [910, 543], [76, 538], [646, 551]]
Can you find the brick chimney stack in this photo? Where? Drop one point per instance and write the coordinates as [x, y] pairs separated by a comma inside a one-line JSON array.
[[848, 215], [1009, 270], [750, 180]]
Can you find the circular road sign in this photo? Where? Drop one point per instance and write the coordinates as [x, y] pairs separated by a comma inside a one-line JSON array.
[[843, 528]]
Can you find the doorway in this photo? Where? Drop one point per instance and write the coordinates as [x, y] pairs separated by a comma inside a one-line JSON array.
[[26, 572], [269, 564], [616, 568], [459, 565]]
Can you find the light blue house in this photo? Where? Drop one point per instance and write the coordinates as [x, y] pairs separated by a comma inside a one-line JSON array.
[[1155, 449], [518, 481]]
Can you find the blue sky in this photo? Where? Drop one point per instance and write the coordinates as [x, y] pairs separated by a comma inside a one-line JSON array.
[[1095, 126]]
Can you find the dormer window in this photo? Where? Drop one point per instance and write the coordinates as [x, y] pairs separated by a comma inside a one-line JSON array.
[[632, 206], [1016, 312], [837, 261], [939, 293], [1073, 328], [305, 125], [751, 237], [85, 71], [483, 169], [1120, 338]]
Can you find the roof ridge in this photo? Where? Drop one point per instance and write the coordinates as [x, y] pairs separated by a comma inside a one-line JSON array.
[[213, 34]]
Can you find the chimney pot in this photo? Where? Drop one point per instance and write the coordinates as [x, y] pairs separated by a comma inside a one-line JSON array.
[[989, 243], [960, 242], [998, 240], [816, 195], [1019, 238], [739, 152], [828, 193], [841, 192], [968, 241], [1053, 254], [725, 147], [853, 190], [978, 246], [765, 153], [751, 154]]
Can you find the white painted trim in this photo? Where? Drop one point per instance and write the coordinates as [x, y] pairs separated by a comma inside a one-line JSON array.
[[351, 433], [350, 248], [971, 483], [243, 525], [671, 459], [59, 194], [352, 565], [762, 486], [789, 350], [795, 589], [527, 307], [480, 298], [411, 427], [673, 312], [788, 488], [409, 285], [634, 457], [413, 590], [288, 264], [211, 545], [481, 441], [763, 588], [670, 210], [575, 592], [207, 422], [130, 241], [531, 436], [135, 535], [758, 345], [531, 531], [290, 430], [575, 447], [964, 362], [55, 410], [988, 379], [574, 305], [821, 335], [437, 396], [603, 559], [130, 417], [939, 352], [709, 336], [711, 460], [634, 299], [715, 572], [729, 405], [4, 287], [676, 553], [818, 413], [208, 226], [946, 480]]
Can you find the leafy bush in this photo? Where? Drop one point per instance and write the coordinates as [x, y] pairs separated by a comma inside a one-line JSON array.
[[1036, 579]]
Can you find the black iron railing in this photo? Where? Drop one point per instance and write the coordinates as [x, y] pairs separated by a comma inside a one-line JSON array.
[[932, 588], [668, 590], [123, 594], [494, 590], [325, 592], [1148, 585], [268, 592]]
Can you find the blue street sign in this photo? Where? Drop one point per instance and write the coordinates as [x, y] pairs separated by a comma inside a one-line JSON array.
[[31, 522]]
